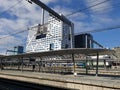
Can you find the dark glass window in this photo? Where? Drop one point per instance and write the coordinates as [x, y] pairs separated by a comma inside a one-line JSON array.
[[66, 45], [40, 36], [52, 46]]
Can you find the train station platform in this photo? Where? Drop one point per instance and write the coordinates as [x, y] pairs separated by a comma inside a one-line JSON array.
[[78, 82]]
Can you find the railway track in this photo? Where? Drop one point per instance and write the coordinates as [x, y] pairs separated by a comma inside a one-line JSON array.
[[6, 84]]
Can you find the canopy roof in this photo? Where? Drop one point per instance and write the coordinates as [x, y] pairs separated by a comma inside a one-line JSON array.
[[83, 51]]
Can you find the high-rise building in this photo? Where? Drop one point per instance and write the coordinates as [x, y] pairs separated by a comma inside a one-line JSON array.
[[84, 41], [54, 35]]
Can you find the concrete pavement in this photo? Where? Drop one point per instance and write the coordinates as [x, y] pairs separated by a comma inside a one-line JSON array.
[[67, 81]]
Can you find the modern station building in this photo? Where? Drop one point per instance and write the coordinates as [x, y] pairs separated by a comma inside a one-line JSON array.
[[54, 35], [84, 41]]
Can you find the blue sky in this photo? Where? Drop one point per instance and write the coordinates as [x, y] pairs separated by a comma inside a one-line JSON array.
[[17, 17]]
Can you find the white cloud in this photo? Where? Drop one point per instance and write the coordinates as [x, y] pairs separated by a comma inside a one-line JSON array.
[[9, 42], [99, 15], [62, 10], [78, 16], [48, 1], [67, 1], [26, 15], [29, 14]]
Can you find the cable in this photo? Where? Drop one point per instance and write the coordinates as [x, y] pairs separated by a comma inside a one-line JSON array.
[[66, 15], [86, 8], [23, 29], [100, 30], [13, 34], [11, 7], [91, 31], [92, 2], [115, 4]]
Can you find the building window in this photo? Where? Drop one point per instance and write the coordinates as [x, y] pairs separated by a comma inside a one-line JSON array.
[[52, 46], [66, 45], [69, 36], [40, 36]]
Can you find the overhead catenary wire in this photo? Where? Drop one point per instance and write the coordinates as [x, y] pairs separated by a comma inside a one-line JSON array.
[[89, 31], [71, 14], [86, 8], [11, 7], [105, 8], [8, 9], [100, 30], [92, 31], [66, 15], [12, 34], [91, 2]]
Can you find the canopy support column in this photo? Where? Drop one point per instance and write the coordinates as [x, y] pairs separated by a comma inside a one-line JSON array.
[[97, 64], [1, 65], [22, 64], [73, 64], [86, 65]]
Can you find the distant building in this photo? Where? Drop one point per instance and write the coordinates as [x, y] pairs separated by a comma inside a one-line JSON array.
[[117, 52], [54, 35], [83, 41], [18, 50]]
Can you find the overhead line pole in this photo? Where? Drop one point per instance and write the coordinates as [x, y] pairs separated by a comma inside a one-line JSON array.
[[55, 15], [95, 42], [52, 12], [90, 31]]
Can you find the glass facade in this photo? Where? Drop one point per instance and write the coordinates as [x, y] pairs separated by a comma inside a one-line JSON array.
[[83, 41]]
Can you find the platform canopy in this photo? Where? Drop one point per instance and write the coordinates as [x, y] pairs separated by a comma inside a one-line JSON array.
[[84, 51]]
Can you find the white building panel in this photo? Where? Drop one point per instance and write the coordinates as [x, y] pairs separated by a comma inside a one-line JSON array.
[[54, 35]]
